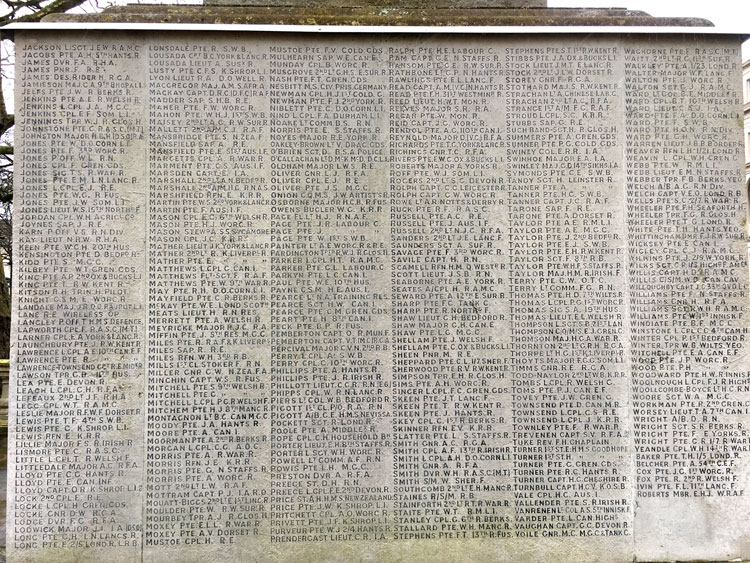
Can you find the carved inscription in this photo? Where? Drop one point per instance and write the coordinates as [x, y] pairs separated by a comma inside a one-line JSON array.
[[81, 341], [688, 279], [278, 296]]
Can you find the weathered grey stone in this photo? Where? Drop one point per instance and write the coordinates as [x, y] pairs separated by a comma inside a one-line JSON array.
[[388, 3], [374, 298], [425, 16]]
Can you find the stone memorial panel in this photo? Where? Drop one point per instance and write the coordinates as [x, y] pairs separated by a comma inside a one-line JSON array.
[[379, 297]]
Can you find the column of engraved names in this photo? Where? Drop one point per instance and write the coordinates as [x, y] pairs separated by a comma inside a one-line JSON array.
[[568, 307], [79, 328], [688, 270], [330, 398], [451, 443], [209, 296]]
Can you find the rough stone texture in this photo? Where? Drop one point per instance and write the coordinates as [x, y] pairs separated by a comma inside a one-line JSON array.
[[321, 15], [321, 298], [388, 3]]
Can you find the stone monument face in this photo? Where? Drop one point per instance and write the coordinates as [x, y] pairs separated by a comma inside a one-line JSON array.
[[324, 297]]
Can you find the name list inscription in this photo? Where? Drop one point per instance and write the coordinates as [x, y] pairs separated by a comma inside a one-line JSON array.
[[278, 293]]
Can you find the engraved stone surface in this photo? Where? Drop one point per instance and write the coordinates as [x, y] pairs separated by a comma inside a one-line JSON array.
[[335, 298]]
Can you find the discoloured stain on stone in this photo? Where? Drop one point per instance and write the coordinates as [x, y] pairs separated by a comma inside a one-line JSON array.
[[376, 15]]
